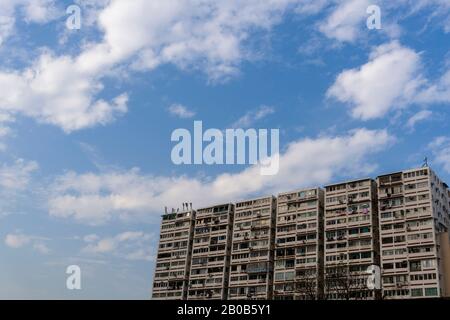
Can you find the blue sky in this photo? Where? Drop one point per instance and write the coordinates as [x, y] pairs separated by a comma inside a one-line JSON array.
[[86, 118]]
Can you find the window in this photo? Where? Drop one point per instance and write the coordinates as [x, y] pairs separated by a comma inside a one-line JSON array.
[[417, 292], [388, 266], [422, 185], [386, 215], [431, 292], [415, 266], [290, 263], [280, 263], [401, 279], [387, 280], [279, 276], [429, 263], [401, 265], [364, 230], [289, 275], [353, 256]]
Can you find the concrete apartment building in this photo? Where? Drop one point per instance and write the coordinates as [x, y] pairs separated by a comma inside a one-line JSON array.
[[414, 221], [174, 255], [310, 243], [298, 269], [351, 238], [251, 267], [211, 248]]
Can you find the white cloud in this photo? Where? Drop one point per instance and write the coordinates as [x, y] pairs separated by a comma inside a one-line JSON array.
[[102, 246], [7, 19], [16, 240], [6, 27], [346, 20], [210, 36], [17, 175], [97, 198], [438, 11], [90, 238], [5, 129], [440, 147], [91, 10], [253, 116], [308, 7], [373, 89], [54, 90], [41, 248], [418, 117], [19, 240], [131, 245], [181, 111], [205, 35], [40, 11], [36, 11], [437, 92], [17, 186]]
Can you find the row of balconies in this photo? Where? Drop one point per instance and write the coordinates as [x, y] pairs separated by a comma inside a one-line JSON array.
[[355, 248], [392, 179], [347, 224]]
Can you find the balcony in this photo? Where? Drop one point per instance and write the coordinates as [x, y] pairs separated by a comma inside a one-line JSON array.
[[390, 180]]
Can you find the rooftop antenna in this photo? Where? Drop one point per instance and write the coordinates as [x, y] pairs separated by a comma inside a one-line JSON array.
[[425, 163], [165, 210]]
